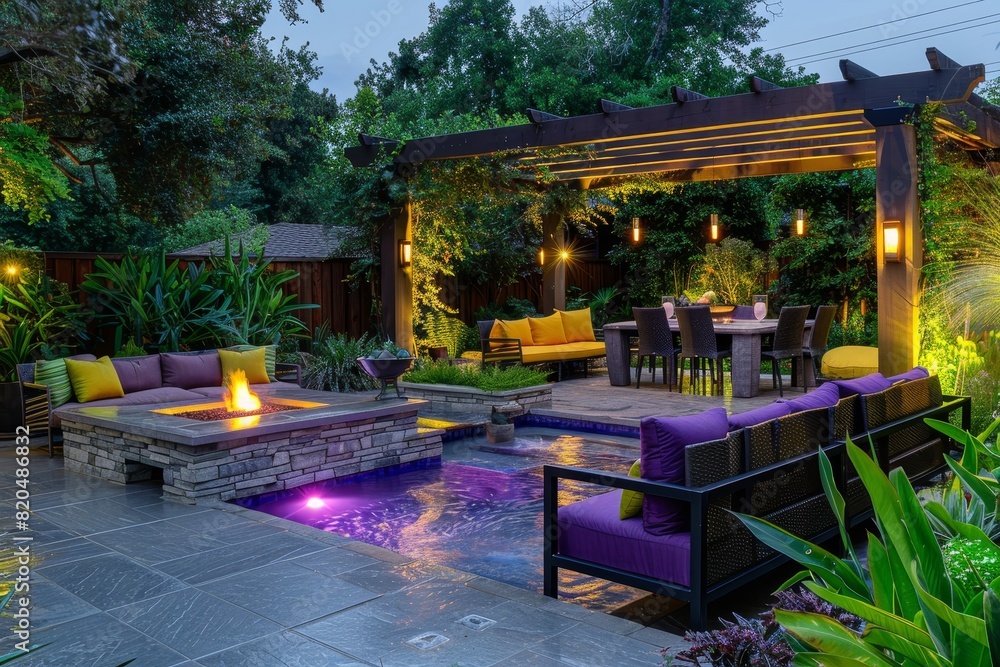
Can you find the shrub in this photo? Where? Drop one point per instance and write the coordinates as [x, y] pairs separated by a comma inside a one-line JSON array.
[[745, 643], [332, 365], [491, 378], [733, 269]]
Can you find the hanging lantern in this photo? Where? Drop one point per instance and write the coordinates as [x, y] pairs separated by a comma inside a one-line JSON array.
[[636, 230], [800, 222]]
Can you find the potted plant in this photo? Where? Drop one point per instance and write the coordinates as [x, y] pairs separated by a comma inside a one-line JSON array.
[[499, 428]]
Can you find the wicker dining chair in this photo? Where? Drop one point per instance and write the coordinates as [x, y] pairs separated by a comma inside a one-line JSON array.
[[814, 349], [698, 343], [787, 341], [655, 340]]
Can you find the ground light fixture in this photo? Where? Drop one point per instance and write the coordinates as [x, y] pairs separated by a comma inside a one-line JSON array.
[[892, 241], [714, 231], [636, 230], [800, 222], [405, 252]]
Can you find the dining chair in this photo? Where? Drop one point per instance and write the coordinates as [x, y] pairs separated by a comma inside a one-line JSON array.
[[786, 342], [698, 343], [655, 340], [816, 346]]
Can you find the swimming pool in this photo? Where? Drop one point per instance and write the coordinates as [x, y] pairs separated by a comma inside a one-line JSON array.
[[479, 510]]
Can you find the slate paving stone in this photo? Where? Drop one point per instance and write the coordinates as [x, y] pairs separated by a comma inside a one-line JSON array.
[[52, 604], [156, 542], [224, 527], [284, 649], [587, 645], [194, 623], [76, 491], [95, 516], [59, 553], [110, 580], [386, 577], [230, 559], [98, 640], [42, 530], [293, 595], [334, 561], [529, 659]]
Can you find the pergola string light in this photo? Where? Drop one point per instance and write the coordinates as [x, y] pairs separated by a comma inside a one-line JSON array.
[[855, 123]]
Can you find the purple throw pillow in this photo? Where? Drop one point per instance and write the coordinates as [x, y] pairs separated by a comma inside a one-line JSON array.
[[662, 441], [869, 384], [138, 373], [824, 396], [916, 373], [189, 371], [758, 415]]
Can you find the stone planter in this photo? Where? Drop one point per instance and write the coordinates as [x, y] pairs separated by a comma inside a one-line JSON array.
[[499, 432], [448, 398]]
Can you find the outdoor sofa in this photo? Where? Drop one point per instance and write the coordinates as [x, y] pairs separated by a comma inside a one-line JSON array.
[[684, 541], [156, 379], [560, 338]]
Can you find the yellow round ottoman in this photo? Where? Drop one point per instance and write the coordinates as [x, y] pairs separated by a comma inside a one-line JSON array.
[[849, 361]]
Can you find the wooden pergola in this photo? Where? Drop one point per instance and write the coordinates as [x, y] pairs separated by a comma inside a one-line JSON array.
[[850, 124]]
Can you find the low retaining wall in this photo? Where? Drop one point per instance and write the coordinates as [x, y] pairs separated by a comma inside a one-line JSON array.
[[243, 462], [448, 398]]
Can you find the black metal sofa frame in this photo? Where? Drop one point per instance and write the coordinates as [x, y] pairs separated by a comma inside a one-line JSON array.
[[781, 483]]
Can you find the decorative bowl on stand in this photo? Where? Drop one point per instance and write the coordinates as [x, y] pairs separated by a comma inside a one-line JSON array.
[[386, 371]]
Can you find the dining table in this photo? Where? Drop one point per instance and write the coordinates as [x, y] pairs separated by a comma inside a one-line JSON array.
[[746, 340]]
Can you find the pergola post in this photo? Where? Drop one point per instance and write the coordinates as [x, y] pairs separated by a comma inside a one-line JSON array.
[[897, 202], [397, 280], [553, 265]]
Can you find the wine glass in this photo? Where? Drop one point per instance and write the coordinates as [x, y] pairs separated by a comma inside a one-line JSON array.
[[668, 307], [760, 307]]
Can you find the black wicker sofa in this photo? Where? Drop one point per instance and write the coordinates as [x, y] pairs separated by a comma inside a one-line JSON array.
[[767, 469]]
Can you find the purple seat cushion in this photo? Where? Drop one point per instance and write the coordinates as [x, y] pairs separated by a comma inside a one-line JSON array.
[[917, 373], [824, 396], [868, 384], [138, 373], [743, 313], [758, 415], [590, 529], [159, 397], [662, 441], [191, 370]]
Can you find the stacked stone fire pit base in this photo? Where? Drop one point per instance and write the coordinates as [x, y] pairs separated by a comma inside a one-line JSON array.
[[237, 458]]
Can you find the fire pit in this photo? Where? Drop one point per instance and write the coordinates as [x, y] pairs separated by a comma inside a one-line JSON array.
[[238, 402]]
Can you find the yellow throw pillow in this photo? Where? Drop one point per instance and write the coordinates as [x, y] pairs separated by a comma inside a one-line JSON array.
[[519, 329], [250, 362], [577, 325], [631, 504], [547, 330], [94, 380]]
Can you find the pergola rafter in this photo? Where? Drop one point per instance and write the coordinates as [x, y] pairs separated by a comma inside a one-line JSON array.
[[771, 130]]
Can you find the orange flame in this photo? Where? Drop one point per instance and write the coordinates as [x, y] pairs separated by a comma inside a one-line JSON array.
[[238, 396]]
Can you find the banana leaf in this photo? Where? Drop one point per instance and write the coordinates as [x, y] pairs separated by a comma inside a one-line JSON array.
[[827, 635]]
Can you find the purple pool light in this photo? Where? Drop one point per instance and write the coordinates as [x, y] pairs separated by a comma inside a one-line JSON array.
[[315, 503]]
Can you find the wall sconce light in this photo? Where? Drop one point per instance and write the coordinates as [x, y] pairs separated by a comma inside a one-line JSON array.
[[892, 241], [541, 256], [800, 222], [714, 231], [636, 230], [405, 253], [564, 255]]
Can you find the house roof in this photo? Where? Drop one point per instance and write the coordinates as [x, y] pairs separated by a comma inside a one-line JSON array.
[[287, 240]]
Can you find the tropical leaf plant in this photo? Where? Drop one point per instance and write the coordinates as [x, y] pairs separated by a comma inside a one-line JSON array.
[[916, 613]]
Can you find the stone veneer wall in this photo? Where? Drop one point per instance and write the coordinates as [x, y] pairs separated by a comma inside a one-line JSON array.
[[453, 399], [248, 466]]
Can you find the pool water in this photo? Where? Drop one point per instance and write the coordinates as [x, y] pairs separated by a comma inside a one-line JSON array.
[[479, 511]]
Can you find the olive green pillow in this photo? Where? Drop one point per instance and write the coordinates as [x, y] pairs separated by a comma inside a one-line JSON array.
[[631, 504], [270, 357], [53, 374]]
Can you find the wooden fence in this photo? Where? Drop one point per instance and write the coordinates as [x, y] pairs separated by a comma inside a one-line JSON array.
[[324, 282]]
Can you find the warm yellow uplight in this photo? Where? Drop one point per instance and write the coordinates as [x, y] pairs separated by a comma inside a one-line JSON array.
[[237, 395], [800, 222], [12, 270], [713, 233], [541, 256], [564, 255], [636, 230], [892, 241]]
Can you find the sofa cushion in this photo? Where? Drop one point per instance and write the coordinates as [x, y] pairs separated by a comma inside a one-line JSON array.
[[519, 329], [916, 373], [53, 374], [662, 441], [758, 415], [139, 373], [566, 352], [191, 370], [577, 325], [547, 330], [94, 380], [869, 384], [591, 530], [251, 362], [270, 357], [849, 361], [631, 501], [824, 396]]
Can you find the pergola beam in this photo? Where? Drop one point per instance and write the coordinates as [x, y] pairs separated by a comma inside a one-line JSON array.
[[759, 85], [683, 95], [851, 71], [607, 106]]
